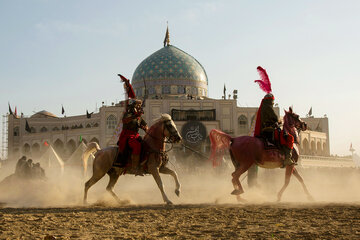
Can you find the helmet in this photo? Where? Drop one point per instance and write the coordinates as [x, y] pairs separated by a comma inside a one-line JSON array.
[[132, 102], [269, 96]]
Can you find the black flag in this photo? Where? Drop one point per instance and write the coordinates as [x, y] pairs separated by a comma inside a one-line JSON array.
[[167, 37], [62, 110], [27, 127], [88, 115], [10, 111]]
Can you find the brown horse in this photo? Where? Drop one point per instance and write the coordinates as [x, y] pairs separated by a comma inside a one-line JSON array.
[[246, 151], [154, 161]]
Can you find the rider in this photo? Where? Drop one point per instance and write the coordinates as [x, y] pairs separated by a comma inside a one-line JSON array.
[[267, 121], [268, 127], [132, 121]]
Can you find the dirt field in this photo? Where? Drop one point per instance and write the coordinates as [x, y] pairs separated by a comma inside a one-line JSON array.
[[200, 221], [204, 210]]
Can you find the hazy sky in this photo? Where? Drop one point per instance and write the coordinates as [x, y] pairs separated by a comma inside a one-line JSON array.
[[69, 52]]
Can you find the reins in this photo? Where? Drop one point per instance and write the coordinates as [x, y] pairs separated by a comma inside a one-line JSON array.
[[165, 141]]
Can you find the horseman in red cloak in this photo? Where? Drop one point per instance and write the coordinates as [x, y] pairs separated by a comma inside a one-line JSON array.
[[132, 122], [267, 124]]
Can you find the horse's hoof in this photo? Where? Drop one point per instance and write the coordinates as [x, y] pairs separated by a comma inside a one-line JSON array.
[[169, 203], [236, 192], [177, 192], [240, 199]]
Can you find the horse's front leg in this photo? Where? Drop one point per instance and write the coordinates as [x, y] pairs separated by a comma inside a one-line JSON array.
[[166, 170], [297, 175], [288, 172], [154, 171]]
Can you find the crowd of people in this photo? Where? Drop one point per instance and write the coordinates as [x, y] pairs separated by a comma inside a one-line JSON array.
[[26, 169]]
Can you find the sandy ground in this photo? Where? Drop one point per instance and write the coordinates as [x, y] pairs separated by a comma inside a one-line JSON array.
[[204, 210], [200, 221]]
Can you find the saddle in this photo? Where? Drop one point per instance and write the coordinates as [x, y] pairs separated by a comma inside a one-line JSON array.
[[124, 158]]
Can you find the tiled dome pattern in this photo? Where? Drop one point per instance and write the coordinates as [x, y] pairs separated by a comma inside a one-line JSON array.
[[170, 66]]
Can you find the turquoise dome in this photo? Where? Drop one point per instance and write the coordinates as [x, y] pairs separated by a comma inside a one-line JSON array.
[[170, 71]]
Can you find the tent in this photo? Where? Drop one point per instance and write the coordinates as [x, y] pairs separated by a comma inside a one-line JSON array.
[[50, 159], [75, 159]]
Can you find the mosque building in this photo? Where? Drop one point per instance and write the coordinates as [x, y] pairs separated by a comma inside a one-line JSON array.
[[173, 82]]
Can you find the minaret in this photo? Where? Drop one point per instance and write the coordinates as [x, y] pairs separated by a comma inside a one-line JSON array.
[[167, 37]]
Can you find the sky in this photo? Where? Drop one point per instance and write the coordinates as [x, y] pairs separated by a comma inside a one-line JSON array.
[[63, 52]]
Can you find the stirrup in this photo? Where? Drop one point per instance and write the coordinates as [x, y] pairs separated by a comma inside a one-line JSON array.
[[116, 164]]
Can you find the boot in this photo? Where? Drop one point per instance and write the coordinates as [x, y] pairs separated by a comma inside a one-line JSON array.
[[288, 154], [116, 162], [135, 168]]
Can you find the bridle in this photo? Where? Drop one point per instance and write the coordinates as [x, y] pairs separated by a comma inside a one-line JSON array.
[[167, 139]]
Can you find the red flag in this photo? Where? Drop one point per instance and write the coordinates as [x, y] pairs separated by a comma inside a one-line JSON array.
[[128, 88], [15, 112], [46, 144]]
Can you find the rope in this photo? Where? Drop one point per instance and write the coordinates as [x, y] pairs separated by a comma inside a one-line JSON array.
[[201, 154]]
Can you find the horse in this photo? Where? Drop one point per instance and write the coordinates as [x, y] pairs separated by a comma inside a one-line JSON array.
[[153, 160], [247, 150]]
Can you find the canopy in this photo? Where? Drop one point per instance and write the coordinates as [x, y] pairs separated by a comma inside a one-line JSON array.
[[50, 159]]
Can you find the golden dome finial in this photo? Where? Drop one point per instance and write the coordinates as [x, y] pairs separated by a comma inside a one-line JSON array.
[[167, 36]]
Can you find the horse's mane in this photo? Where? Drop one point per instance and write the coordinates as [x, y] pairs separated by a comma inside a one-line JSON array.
[[154, 130], [163, 117]]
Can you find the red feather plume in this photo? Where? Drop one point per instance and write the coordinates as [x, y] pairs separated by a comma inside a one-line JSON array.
[[128, 88], [264, 83]]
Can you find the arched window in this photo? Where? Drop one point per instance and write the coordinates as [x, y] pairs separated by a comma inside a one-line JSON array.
[[96, 125], [181, 89], [312, 148], [88, 125], [111, 123], [16, 131], [318, 148], [305, 147], [26, 149], [166, 89], [43, 129], [243, 124], [324, 149]]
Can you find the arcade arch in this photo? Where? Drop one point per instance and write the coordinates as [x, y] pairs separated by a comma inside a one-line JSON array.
[[70, 146], [243, 124]]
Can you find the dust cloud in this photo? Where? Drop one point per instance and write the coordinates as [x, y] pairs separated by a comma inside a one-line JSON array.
[[200, 184]]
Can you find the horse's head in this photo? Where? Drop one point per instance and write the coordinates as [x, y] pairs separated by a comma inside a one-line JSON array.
[[292, 120], [170, 130]]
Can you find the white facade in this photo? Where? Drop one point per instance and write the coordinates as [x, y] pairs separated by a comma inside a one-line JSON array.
[[64, 133]]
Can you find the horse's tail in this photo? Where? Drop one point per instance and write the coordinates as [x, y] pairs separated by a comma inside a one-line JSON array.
[[91, 148], [220, 142]]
